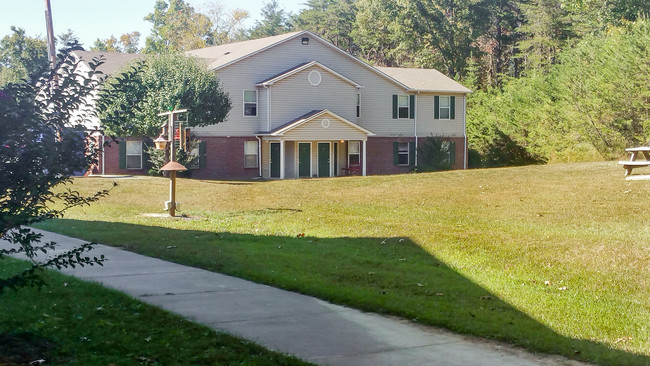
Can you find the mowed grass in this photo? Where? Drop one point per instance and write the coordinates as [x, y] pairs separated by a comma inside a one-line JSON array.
[[70, 322], [554, 258]]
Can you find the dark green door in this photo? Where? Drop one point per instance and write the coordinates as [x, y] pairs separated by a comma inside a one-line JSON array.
[[275, 160], [323, 159], [304, 159]]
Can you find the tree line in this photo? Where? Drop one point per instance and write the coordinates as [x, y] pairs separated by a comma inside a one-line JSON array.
[[553, 80]]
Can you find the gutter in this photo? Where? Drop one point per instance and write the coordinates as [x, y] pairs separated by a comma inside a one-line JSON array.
[[465, 130], [415, 127]]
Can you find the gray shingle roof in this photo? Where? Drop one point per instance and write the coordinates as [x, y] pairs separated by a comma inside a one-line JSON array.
[[113, 61], [222, 55], [424, 80]]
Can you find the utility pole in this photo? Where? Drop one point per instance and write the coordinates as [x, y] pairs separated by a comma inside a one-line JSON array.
[[51, 52]]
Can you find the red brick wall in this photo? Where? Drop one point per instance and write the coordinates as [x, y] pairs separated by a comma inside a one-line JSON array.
[[225, 159], [380, 154], [112, 159]]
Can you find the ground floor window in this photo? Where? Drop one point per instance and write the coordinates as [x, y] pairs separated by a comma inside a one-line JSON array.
[[134, 154], [250, 154], [403, 153], [354, 153]]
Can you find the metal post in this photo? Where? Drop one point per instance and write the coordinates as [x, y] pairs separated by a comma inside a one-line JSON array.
[[172, 193]]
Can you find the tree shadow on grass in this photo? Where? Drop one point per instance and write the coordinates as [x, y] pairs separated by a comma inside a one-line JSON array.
[[384, 275]]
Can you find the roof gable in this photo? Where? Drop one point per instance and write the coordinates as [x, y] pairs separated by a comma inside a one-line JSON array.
[[315, 114], [294, 70]]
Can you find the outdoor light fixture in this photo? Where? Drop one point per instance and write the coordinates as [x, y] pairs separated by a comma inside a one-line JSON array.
[[305, 40], [161, 142]]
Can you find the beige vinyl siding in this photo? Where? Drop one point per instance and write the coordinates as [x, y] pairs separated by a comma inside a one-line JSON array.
[[337, 130], [295, 96], [376, 94], [428, 126], [262, 101], [290, 158], [265, 159]]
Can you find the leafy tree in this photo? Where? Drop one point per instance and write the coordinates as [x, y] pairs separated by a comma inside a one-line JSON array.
[[42, 144], [21, 57], [68, 39], [380, 32], [177, 27], [110, 44], [434, 154], [130, 101], [442, 33], [228, 25], [333, 20], [274, 21], [128, 43]]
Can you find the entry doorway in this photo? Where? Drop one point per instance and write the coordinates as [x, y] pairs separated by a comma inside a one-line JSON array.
[[304, 159], [323, 159], [275, 160]]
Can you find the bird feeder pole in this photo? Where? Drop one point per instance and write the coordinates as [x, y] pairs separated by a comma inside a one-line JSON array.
[[172, 166]]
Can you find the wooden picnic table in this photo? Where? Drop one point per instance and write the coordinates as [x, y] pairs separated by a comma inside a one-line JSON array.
[[633, 163]]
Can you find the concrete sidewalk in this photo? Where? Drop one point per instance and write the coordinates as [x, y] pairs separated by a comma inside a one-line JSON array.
[[308, 328]]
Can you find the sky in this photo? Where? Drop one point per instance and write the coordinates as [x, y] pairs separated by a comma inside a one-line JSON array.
[[92, 19]]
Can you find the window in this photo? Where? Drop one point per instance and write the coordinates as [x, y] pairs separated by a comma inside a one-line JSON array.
[[250, 154], [250, 102], [358, 105], [134, 154], [403, 153], [403, 106], [444, 108], [354, 153]]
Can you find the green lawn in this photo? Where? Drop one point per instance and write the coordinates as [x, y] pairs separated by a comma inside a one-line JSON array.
[[554, 258], [71, 322]]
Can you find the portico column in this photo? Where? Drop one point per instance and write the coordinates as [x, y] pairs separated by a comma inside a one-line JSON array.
[[363, 168], [281, 159]]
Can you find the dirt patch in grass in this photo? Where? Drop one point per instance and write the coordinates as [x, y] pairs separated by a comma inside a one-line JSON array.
[[23, 349]]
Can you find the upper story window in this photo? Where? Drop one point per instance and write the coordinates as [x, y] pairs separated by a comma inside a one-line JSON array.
[[358, 105], [444, 107], [250, 102], [402, 106], [134, 154]]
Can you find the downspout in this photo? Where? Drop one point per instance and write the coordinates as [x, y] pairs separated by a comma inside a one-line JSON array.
[[259, 154], [268, 107], [415, 127], [465, 131]]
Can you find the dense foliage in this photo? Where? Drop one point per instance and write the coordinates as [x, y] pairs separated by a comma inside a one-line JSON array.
[[554, 80], [42, 143], [591, 104], [129, 102]]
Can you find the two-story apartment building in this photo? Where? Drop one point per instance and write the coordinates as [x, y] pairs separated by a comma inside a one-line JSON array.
[[301, 107]]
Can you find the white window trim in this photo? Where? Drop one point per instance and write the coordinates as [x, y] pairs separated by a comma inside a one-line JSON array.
[[256, 156], [408, 154], [408, 106], [440, 107], [359, 153], [244, 103], [127, 155]]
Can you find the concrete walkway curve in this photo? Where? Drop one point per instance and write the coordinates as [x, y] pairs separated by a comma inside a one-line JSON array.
[[309, 328]]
